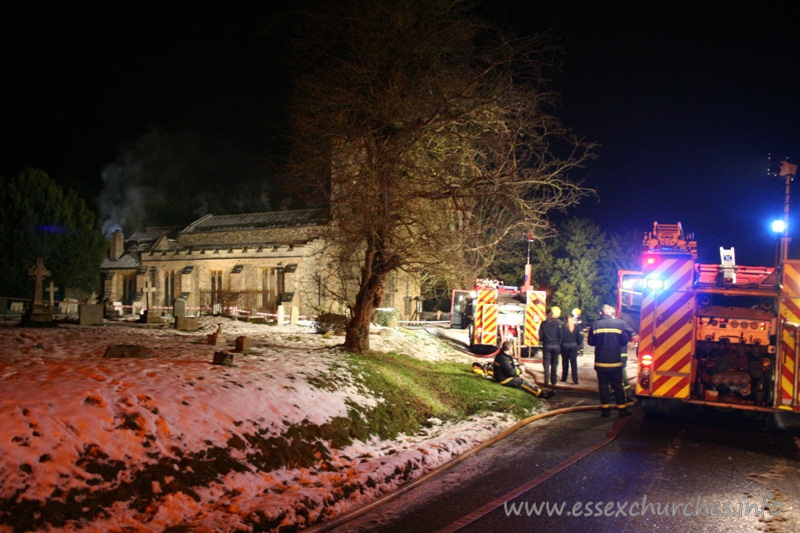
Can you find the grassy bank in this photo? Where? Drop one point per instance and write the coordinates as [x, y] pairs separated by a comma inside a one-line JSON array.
[[416, 393]]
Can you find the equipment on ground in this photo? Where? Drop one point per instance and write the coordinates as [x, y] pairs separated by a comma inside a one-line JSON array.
[[724, 335], [485, 370]]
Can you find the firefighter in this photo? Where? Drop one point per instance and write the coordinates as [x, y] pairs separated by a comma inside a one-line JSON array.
[[551, 334], [579, 325], [506, 372], [576, 314], [571, 344], [608, 336]]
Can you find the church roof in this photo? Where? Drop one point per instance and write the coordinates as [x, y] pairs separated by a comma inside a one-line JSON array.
[[251, 221], [212, 232], [143, 239], [125, 261]]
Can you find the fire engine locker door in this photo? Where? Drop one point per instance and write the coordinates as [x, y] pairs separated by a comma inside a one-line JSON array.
[[788, 378], [459, 310], [669, 320]]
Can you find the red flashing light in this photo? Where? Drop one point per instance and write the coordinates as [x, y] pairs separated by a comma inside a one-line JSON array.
[[650, 261], [647, 360]]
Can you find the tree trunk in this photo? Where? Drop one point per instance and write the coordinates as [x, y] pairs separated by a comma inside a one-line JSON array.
[[369, 297]]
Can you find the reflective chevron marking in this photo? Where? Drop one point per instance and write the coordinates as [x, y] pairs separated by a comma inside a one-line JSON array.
[[489, 335], [535, 313], [485, 297], [666, 327], [790, 312]]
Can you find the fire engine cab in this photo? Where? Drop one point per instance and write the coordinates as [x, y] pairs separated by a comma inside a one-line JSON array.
[[495, 312], [722, 334]]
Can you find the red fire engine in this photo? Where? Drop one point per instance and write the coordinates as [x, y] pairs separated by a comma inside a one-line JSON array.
[[495, 312], [722, 335]]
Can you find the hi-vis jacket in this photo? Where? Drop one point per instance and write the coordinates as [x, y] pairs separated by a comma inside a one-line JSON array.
[[608, 336]]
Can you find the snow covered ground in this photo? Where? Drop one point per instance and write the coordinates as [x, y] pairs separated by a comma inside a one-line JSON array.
[[143, 444]]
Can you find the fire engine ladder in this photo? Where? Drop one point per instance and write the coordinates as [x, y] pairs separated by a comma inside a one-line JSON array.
[[670, 237]]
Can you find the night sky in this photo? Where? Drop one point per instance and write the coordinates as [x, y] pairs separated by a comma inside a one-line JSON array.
[[686, 98]]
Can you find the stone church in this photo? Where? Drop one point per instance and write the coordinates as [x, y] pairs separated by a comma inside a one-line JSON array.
[[232, 264]]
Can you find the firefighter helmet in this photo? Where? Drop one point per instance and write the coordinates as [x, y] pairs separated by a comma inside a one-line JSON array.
[[555, 311], [576, 312]]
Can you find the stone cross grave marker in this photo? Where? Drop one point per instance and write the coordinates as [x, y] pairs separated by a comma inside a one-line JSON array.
[[38, 272], [147, 290], [52, 290]]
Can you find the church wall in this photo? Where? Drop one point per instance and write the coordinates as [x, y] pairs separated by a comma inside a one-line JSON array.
[[227, 269], [228, 277]]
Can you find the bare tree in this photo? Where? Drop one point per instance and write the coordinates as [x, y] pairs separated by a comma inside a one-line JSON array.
[[431, 135]]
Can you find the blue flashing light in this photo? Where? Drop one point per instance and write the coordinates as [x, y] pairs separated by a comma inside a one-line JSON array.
[[51, 228], [778, 226]]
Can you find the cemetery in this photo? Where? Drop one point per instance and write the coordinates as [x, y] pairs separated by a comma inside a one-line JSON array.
[[46, 311]]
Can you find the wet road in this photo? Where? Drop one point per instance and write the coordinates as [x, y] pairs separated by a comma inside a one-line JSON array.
[[687, 471]]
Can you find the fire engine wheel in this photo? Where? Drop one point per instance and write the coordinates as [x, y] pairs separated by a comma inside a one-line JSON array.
[[655, 407], [648, 406]]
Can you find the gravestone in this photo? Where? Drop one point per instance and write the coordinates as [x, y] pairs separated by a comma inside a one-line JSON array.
[[183, 322], [38, 272], [149, 315], [91, 314], [217, 339], [281, 315], [294, 317], [147, 290], [179, 308], [38, 314], [242, 344], [68, 306], [52, 289], [150, 318], [223, 358], [186, 323], [255, 318], [111, 311]]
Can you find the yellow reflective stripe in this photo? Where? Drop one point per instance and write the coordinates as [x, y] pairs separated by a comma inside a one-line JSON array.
[[607, 330], [507, 380], [608, 365]]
